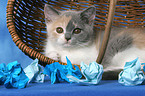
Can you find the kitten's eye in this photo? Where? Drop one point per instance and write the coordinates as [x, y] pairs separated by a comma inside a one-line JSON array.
[[59, 30], [77, 31]]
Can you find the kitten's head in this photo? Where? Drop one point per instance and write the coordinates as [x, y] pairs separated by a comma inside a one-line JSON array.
[[70, 28]]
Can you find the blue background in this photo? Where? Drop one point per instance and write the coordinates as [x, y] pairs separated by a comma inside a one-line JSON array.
[[9, 52]]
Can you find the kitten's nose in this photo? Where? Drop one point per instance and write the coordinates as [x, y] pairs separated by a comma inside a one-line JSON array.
[[67, 36], [67, 39]]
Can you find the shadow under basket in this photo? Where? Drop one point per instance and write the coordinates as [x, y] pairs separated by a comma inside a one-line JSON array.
[[26, 24]]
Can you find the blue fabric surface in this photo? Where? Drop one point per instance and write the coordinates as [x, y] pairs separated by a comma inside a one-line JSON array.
[[9, 53], [105, 88]]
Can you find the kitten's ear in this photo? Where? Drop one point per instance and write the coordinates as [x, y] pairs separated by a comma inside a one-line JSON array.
[[88, 15], [50, 13]]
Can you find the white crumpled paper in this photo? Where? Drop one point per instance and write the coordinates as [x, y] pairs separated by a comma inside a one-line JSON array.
[[92, 72], [34, 72], [131, 74]]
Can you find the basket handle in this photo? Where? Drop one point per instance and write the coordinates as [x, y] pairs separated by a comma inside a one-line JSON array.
[[106, 36]]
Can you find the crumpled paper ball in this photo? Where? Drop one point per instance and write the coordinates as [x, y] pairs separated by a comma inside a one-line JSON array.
[[13, 75], [34, 72], [131, 74], [58, 72], [92, 72], [2, 73]]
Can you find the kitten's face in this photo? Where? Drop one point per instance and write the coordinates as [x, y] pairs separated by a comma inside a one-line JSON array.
[[70, 28]]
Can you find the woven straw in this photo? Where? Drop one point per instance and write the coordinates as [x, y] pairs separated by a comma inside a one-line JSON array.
[[26, 24]]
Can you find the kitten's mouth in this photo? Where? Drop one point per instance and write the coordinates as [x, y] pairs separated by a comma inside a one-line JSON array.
[[67, 44]]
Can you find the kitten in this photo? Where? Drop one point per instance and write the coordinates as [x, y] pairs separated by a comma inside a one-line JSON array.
[[71, 34]]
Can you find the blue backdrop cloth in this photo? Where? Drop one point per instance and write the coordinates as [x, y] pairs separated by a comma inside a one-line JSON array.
[[9, 53], [104, 88]]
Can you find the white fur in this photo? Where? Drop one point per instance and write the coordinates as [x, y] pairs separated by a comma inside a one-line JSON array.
[[127, 55], [76, 56]]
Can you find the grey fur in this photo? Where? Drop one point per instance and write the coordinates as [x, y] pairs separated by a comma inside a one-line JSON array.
[[116, 44], [87, 34], [69, 28], [88, 15], [67, 36]]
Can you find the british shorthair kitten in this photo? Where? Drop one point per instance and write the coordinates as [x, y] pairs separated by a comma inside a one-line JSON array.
[[71, 34]]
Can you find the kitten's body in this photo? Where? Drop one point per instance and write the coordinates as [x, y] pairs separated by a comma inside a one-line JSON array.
[[125, 44]]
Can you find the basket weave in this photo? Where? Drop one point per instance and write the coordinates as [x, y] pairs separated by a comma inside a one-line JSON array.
[[26, 24]]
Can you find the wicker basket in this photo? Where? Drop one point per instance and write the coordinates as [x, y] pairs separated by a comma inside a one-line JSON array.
[[26, 24]]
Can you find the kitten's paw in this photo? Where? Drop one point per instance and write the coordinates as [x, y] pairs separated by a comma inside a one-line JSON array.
[[53, 55]]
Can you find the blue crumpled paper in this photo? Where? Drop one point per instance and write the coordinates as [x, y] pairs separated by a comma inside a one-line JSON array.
[[131, 74], [13, 76], [2, 73], [34, 72], [92, 73], [58, 72]]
